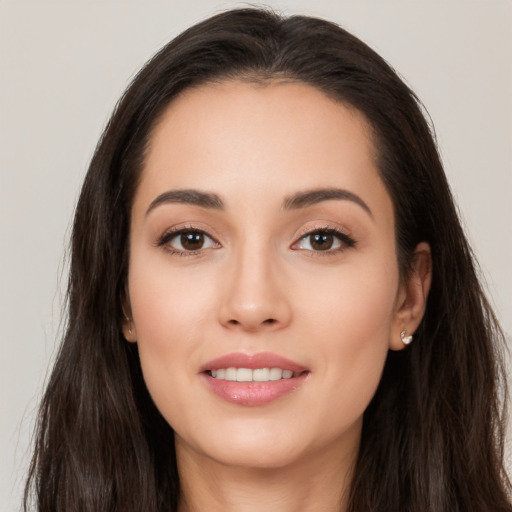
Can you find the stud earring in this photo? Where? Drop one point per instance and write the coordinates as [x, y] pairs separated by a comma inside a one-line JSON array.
[[406, 340], [129, 323]]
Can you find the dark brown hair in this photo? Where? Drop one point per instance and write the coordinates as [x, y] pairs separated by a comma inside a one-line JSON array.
[[432, 437]]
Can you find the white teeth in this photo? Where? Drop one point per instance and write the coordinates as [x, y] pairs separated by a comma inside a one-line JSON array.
[[249, 375], [260, 375], [230, 374], [244, 375], [275, 374]]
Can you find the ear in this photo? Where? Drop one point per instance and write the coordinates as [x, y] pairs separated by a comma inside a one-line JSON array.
[[412, 296], [128, 325]]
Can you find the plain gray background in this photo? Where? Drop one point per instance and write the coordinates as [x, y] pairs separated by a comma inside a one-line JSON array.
[[64, 64]]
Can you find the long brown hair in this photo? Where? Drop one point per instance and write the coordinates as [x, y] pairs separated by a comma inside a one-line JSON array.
[[432, 437]]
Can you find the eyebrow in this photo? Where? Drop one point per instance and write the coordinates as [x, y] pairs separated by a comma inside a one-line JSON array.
[[297, 201], [312, 197], [193, 197]]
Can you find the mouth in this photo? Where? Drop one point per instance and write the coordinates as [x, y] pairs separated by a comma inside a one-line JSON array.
[[252, 375], [253, 380]]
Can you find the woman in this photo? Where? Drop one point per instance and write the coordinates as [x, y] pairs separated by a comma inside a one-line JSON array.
[[272, 303]]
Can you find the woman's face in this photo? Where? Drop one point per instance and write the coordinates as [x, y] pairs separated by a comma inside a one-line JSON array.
[[262, 247]]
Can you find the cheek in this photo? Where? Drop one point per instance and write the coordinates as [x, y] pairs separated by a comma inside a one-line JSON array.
[[170, 314], [167, 305], [354, 303], [350, 322]]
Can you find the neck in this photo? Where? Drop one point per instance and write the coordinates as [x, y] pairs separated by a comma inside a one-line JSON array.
[[319, 482]]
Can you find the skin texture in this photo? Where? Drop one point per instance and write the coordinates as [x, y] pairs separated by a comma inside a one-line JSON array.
[[258, 285]]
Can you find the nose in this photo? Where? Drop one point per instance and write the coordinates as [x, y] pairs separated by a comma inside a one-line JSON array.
[[254, 296]]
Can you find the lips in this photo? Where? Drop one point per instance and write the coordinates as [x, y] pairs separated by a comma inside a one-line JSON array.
[[253, 380], [253, 361]]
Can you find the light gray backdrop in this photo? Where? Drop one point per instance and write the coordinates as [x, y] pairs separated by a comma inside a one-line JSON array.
[[63, 65]]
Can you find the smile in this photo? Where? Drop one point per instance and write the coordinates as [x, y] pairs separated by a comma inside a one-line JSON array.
[[253, 375], [253, 379]]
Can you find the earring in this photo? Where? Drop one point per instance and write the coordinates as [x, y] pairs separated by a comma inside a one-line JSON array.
[[406, 340], [129, 322]]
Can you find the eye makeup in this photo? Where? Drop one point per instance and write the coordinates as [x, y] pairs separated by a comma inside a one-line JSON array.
[[325, 239], [191, 240], [186, 241]]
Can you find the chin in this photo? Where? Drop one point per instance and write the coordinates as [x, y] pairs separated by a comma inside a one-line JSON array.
[[247, 446], [251, 456]]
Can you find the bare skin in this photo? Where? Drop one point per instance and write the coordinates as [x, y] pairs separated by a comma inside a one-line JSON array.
[[261, 226], [310, 485]]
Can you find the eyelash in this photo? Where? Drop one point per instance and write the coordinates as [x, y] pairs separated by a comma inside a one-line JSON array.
[[346, 242], [164, 240]]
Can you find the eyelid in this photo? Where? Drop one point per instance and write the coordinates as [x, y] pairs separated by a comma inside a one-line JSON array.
[[346, 240], [171, 233]]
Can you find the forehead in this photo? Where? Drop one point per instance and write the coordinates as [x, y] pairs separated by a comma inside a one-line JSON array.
[[271, 138]]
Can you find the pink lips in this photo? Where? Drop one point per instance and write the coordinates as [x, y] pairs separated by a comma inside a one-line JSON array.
[[253, 393]]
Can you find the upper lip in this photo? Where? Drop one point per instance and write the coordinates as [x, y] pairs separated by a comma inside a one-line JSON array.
[[252, 361]]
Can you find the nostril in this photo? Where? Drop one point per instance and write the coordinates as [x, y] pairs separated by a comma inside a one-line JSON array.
[[268, 321]]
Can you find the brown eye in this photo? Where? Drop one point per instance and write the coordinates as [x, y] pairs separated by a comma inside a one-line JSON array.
[[187, 241], [324, 240], [321, 241], [192, 240]]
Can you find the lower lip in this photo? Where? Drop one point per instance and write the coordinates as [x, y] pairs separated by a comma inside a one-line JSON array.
[[253, 393]]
